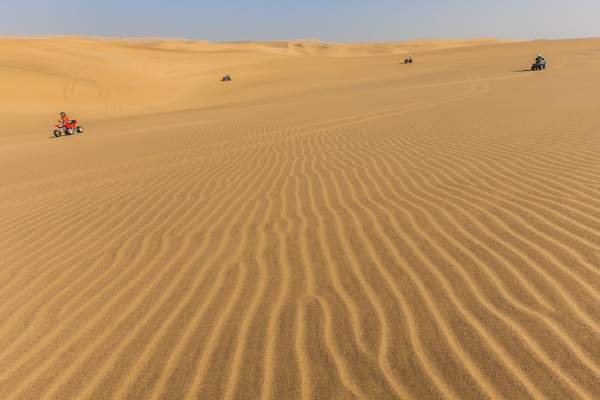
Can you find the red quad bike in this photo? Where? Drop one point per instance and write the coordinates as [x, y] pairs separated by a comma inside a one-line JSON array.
[[68, 128]]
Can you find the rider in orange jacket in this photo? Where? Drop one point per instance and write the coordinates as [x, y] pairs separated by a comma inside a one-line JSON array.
[[64, 119]]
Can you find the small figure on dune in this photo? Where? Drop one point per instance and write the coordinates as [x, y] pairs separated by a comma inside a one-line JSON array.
[[226, 77], [64, 119], [539, 58], [408, 60], [66, 126], [540, 63]]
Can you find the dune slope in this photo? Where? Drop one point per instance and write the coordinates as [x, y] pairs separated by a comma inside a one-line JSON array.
[[332, 223]]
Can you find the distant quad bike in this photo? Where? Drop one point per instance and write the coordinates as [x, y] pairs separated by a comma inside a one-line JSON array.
[[226, 78], [538, 66], [408, 60], [67, 128]]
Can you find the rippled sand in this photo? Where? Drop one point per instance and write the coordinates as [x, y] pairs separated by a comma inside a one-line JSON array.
[[330, 224]]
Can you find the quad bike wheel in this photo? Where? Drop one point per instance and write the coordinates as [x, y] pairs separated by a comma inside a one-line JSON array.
[[56, 133], [69, 131], [79, 129]]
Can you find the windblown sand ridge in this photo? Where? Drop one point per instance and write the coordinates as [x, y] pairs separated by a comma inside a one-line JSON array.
[[332, 223]]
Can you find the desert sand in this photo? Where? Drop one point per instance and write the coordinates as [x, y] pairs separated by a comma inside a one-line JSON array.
[[331, 224]]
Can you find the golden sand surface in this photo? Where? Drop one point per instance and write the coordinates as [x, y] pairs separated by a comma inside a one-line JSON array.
[[331, 224]]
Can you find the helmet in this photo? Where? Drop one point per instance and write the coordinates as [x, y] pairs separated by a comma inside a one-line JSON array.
[[62, 114], [539, 55]]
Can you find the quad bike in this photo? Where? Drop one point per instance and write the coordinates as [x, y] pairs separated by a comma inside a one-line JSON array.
[[67, 128], [538, 66], [408, 60], [226, 78]]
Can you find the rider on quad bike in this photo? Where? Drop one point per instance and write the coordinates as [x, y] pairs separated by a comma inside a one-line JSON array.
[[540, 63], [64, 119], [539, 59], [66, 126]]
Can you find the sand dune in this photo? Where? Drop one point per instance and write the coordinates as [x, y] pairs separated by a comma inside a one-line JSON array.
[[330, 224]]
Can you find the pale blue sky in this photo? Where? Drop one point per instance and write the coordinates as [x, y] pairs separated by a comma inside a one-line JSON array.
[[329, 20]]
